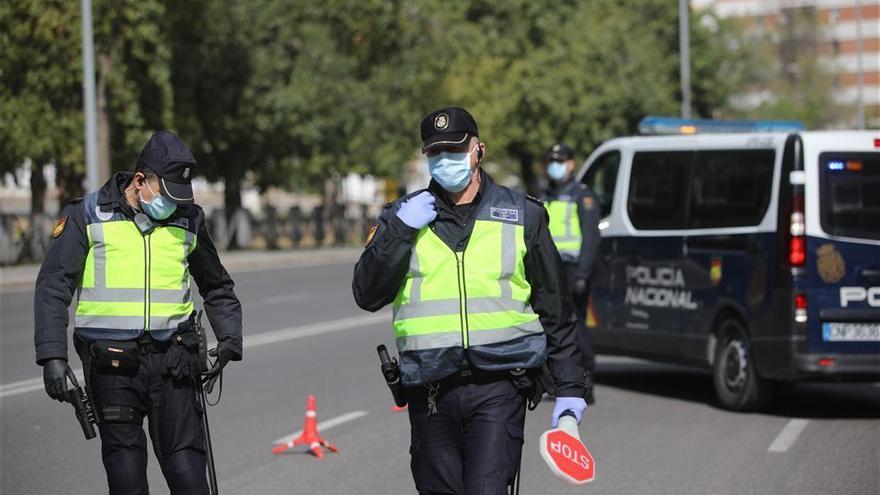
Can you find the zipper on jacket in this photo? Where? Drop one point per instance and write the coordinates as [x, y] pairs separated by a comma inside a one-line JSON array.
[[462, 298], [147, 283]]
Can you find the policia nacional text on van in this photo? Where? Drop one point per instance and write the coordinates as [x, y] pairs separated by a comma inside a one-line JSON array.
[[477, 290], [128, 251]]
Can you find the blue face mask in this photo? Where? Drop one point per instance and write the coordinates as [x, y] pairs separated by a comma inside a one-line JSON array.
[[159, 208], [451, 170], [556, 170]]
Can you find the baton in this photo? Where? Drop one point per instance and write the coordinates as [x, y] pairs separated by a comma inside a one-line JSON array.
[[203, 402], [206, 433]]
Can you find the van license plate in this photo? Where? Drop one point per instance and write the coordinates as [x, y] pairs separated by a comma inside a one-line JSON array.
[[851, 332]]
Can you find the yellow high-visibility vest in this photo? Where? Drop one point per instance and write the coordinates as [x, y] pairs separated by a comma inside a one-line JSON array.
[[476, 300], [132, 281], [565, 226]]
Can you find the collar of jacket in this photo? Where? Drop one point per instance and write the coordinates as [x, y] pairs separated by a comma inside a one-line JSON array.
[[112, 193], [554, 190], [445, 201]]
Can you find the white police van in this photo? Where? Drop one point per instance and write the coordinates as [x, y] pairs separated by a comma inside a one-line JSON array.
[[755, 254]]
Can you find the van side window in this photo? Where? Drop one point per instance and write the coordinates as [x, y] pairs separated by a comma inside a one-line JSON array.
[[731, 188], [601, 179], [657, 189]]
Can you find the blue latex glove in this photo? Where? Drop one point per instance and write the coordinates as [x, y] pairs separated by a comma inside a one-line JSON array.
[[418, 210], [573, 404]]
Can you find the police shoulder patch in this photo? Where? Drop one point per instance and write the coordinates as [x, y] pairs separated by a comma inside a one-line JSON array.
[[371, 234], [59, 227]]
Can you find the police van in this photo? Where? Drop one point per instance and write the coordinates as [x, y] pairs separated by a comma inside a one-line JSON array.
[[753, 254]]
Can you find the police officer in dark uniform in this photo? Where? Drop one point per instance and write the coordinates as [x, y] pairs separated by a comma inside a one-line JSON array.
[[574, 225], [128, 251], [477, 289]]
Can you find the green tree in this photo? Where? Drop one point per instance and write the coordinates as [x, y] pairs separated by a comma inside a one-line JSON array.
[[40, 93]]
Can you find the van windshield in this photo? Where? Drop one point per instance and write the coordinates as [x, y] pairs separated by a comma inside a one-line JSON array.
[[850, 194]]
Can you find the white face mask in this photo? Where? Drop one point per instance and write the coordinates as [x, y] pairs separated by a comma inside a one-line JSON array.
[[159, 208], [556, 170], [451, 170]]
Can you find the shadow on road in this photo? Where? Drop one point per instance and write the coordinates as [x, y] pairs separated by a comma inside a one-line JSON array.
[[805, 400]]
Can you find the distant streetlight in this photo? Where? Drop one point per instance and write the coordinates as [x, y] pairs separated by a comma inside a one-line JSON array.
[[89, 107], [684, 57]]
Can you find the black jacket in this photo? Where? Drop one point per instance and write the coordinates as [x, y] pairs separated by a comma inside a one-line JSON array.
[[385, 261], [588, 216], [65, 261]]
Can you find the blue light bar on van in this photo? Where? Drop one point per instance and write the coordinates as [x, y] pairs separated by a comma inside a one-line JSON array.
[[654, 125], [835, 165]]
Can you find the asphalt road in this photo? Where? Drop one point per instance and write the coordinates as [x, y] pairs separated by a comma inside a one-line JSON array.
[[655, 429]]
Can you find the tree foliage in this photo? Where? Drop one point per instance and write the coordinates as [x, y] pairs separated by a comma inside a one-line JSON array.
[[288, 92]]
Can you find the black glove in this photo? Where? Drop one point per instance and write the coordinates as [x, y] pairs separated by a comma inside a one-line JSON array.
[[181, 358], [224, 354], [580, 290], [55, 378]]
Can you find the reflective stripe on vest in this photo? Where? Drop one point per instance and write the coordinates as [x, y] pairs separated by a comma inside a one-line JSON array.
[[565, 226], [477, 297], [133, 281]]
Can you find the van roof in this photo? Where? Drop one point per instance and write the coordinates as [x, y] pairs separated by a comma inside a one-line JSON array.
[[749, 139]]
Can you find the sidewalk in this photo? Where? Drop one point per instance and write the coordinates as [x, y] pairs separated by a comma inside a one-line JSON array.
[[22, 277]]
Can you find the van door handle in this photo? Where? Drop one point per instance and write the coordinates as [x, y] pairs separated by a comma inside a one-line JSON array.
[[871, 272]]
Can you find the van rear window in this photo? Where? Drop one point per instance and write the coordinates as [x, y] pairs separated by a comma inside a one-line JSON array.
[[850, 194]]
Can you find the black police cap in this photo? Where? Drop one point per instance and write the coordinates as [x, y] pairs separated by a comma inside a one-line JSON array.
[[174, 164], [450, 126], [560, 152]]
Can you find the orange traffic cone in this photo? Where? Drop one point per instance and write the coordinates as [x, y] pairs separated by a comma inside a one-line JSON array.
[[309, 435]]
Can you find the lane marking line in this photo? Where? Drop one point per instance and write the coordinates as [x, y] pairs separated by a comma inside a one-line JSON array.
[[788, 435], [294, 297], [325, 425], [260, 339]]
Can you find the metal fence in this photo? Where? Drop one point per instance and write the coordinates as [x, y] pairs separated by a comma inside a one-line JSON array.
[[26, 238]]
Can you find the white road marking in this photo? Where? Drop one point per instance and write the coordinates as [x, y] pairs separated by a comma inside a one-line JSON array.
[[31, 385], [788, 435], [266, 338], [281, 298], [276, 336], [325, 425]]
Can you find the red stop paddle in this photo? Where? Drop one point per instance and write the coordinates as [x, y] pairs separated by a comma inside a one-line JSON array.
[[565, 453]]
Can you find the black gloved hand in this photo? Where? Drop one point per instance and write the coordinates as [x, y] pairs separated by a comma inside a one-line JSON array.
[[580, 290], [224, 354], [55, 378], [181, 358]]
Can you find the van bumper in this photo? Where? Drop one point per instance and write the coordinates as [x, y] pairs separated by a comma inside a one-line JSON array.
[[847, 367]]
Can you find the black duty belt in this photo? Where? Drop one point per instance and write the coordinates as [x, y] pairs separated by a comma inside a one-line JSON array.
[[148, 345], [474, 375]]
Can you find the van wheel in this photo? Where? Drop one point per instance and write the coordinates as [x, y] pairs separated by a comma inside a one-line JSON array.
[[737, 384]]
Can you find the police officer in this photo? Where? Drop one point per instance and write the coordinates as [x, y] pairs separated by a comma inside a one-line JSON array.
[[574, 225], [475, 282], [128, 251]]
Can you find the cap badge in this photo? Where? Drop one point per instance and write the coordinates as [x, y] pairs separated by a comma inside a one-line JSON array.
[[441, 122], [186, 173]]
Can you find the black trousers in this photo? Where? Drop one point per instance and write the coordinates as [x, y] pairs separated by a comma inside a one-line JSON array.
[[582, 333], [172, 410], [472, 445]]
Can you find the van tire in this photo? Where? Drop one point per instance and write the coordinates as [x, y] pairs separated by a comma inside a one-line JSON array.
[[737, 384]]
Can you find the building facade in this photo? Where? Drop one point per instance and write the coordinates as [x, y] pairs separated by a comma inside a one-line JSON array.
[[846, 28]]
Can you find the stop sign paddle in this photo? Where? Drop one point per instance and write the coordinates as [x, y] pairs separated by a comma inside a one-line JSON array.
[[565, 454]]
